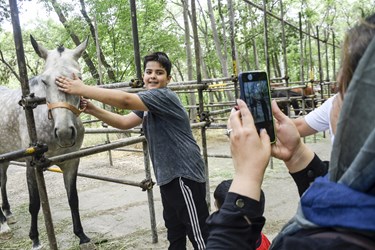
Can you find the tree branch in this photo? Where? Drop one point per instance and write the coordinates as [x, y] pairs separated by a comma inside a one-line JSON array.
[[75, 39], [111, 74], [9, 66]]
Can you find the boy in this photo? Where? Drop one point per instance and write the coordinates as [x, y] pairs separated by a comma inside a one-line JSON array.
[[175, 155]]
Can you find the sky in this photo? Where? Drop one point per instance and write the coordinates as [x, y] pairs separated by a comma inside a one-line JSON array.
[[30, 13]]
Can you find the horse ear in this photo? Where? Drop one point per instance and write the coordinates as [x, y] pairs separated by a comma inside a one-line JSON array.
[[40, 50], [80, 48]]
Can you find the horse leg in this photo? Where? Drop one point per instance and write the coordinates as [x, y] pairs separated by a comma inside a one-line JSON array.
[[283, 106], [3, 181], [70, 181], [34, 205], [297, 109], [5, 232], [310, 105]]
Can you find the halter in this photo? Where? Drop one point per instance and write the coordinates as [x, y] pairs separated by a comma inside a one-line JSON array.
[[65, 105]]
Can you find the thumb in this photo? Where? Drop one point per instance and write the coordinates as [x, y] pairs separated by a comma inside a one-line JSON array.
[[265, 138], [277, 113], [75, 77]]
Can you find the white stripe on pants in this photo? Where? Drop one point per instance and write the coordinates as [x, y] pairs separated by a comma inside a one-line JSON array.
[[192, 211]]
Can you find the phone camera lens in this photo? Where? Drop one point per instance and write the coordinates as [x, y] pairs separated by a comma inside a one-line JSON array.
[[250, 77]]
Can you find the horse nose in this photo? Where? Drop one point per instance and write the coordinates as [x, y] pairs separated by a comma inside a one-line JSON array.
[[66, 137]]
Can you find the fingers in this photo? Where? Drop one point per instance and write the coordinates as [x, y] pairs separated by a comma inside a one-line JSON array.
[[265, 138], [247, 118], [240, 117], [74, 76], [277, 113], [83, 104], [234, 112], [236, 119], [60, 81]]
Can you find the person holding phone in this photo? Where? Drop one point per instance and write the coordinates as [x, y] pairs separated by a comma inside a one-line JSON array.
[[336, 211], [178, 166]]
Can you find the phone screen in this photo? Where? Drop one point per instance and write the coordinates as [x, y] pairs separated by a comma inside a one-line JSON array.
[[255, 91]]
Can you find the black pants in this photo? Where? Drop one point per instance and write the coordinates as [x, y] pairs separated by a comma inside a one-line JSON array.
[[185, 213]]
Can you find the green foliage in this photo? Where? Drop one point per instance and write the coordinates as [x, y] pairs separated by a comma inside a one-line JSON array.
[[161, 28]]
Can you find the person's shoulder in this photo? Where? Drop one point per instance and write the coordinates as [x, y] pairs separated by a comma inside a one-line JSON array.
[[164, 91], [159, 92]]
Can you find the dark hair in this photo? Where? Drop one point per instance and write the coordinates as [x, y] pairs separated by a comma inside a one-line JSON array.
[[221, 192], [160, 57], [355, 44]]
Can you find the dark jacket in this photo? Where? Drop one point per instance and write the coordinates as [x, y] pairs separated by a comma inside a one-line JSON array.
[[240, 220]]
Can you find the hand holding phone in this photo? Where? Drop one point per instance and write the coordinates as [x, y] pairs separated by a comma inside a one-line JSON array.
[[255, 91]]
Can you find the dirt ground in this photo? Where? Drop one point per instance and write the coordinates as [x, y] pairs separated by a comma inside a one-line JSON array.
[[117, 216]]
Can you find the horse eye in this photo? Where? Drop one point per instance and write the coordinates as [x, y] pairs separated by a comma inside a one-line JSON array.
[[44, 82]]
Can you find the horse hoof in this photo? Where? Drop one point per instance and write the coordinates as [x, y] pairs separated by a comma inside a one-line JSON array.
[[5, 232], [11, 219], [6, 235], [87, 246], [37, 247], [4, 228]]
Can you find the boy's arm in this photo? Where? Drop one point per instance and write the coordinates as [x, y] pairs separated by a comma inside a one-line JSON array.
[[115, 120], [112, 97]]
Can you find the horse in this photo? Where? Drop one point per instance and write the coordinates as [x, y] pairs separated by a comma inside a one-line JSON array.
[[284, 104], [294, 102], [57, 125], [304, 92]]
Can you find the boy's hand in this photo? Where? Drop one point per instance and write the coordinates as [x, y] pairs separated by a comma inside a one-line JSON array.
[[86, 106], [71, 86]]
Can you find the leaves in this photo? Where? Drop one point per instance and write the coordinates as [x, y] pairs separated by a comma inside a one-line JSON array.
[[161, 28]]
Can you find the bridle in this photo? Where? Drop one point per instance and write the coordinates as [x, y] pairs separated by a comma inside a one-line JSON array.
[[65, 105]]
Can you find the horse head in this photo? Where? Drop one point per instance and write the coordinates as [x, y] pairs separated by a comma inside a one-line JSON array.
[[63, 109]]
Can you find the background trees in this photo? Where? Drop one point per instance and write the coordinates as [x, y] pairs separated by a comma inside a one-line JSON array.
[[165, 25]]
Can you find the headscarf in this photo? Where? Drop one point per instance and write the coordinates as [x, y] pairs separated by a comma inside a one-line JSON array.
[[345, 198]]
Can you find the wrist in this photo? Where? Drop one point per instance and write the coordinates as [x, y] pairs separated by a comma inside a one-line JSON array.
[[300, 159], [246, 186]]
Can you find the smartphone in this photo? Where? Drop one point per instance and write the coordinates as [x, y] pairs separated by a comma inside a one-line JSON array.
[[255, 91]]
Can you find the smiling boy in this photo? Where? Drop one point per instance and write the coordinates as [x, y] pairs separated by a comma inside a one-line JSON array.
[[175, 155]]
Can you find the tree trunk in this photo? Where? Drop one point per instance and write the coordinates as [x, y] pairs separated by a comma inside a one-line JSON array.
[[215, 35], [256, 58], [75, 39], [192, 99], [111, 74]]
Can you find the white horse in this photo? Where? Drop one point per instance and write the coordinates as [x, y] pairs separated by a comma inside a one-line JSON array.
[[57, 125]]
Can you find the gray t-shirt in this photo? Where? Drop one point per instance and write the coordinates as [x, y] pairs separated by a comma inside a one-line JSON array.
[[173, 150]]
